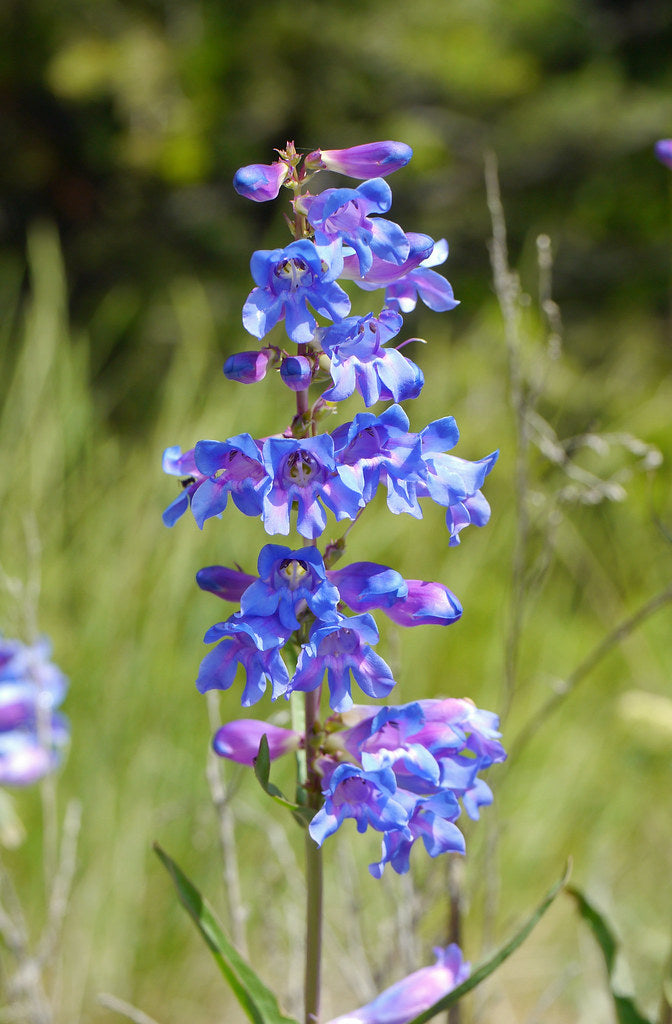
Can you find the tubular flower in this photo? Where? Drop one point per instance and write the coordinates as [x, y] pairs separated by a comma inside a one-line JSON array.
[[306, 472], [239, 740], [359, 360], [248, 367], [338, 649], [289, 583], [252, 644], [365, 586], [383, 272], [367, 794], [423, 283], [229, 584], [367, 161], [232, 467], [287, 281], [408, 998], [260, 182], [33, 734], [344, 213]]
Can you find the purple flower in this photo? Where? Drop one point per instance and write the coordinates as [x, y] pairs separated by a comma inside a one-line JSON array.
[[290, 278], [33, 734], [663, 150], [359, 360], [365, 586], [379, 447], [232, 467], [426, 603], [239, 740], [383, 272], [435, 748], [306, 472], [344, 213], [432, 821], [408, 998], [367, 794], [260, 182], [296, 372], [248, 367], [252, 644], [338, 649], [423, 283], [177, 464], [373, 159], [229, 584], [289, 583]]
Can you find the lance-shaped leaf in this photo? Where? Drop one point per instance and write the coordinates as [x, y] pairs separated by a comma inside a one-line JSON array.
[[486, 968], [257, 1001], [626, 1011]]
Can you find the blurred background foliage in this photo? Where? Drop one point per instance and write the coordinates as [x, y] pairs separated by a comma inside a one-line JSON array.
[[123, 266]]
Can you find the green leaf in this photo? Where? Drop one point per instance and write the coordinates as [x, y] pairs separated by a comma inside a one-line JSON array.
[[626, 1011], [498, 958], [257, 1001], [262, 770]]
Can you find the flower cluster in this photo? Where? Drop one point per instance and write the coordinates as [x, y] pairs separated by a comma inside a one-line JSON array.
[[406, 771], [33, 735]]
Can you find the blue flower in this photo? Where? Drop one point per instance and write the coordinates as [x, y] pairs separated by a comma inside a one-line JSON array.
[[344, 213], [423, 283], [365, 586], [338, 649], [367, 794], [384, 272], [33, 734], [359, 360], [290, 582], [408, 998], [232, 467], [306, 472], [260, 182], [373, 446], [254, 644], [432, 821], [290, 278]]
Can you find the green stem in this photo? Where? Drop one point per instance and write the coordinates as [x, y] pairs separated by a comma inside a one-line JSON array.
[[313, 876]]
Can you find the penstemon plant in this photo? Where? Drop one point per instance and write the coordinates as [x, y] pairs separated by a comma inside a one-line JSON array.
[[407, 770]]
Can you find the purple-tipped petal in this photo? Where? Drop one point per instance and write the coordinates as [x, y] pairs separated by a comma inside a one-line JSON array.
[[371, 160], [239, 740], [247, 367]]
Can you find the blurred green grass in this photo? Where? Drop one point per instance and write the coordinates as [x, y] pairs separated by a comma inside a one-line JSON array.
[[119, 600]]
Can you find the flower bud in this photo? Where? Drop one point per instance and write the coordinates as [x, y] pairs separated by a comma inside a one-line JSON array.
[[247, 367], [260, 182], [372, 160], [239, 740], [663, 150], [296, 372]]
